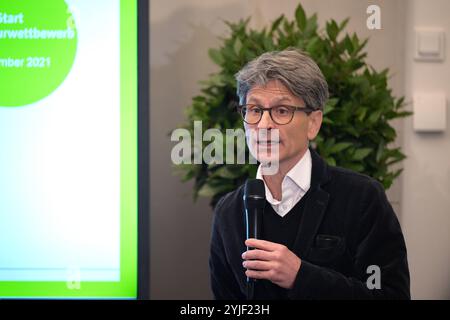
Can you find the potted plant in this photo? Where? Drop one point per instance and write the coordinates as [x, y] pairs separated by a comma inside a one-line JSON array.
[[356, 131]]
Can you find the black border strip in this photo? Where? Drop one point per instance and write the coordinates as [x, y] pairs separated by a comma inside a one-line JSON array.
[[143, 151]]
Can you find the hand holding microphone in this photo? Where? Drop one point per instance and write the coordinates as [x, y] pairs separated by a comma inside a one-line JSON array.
[[264, 259], [254, 201]]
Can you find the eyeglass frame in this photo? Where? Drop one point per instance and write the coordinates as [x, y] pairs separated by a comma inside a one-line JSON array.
[[306, 110]]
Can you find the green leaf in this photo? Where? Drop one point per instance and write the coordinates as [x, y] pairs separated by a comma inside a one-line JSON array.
[[389, 133], [397, 173], [313, 45], [352, 131], [400, 103], [311, 26], [362, 113], [329, 106], [326, 120], [380, 150], [216, 56], [363, 44], [403, 114], [227, 173], [332, 30], [343, 24], [361, 153], [209, 190], [355, 167], [330, 161], [332, 102], [288, 27], [268, 44], [338, 147], [348, 45], [206, 191], [276, 23], [374, 116], [300, 17], [237, 46], [391, 162]]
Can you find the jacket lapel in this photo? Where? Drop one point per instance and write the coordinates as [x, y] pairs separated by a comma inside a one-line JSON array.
[[313, 213], [315, 206]]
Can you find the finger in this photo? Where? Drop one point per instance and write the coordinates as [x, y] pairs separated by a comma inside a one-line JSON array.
[[254, 274], [256, 254], [261, 244], [257, 265]]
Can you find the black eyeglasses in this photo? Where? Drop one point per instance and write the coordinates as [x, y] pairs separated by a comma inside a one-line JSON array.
[[281, 114]]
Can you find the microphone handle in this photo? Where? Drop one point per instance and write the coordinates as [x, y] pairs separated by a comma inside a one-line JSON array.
[[254, 216], [254, 220]]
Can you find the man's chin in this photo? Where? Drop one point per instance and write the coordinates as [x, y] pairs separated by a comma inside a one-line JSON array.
[[269, 165], [265, 158]]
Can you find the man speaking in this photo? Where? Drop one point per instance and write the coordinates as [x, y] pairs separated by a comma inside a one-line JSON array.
[[326, 232]]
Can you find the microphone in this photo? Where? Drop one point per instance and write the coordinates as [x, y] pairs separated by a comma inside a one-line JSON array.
[[254, 201]]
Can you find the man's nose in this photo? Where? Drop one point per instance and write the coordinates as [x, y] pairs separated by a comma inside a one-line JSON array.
[[266, 121]]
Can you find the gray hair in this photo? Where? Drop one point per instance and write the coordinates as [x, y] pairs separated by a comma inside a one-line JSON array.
[[293, 68]]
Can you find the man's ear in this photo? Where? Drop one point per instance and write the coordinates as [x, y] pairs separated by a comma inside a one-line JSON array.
[[314, 123]]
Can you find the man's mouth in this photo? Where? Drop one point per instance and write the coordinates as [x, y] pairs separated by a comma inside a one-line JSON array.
[[268, 142]]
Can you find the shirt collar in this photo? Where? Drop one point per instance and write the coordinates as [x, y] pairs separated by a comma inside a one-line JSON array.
[[300, 174]]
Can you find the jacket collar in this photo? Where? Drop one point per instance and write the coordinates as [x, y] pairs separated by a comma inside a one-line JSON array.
[[320, 174]]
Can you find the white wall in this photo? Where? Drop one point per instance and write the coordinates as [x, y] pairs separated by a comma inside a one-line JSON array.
[[181, 33], [426, 180]]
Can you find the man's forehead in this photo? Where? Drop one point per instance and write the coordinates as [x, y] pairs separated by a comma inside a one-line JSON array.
[[273, 87], [274, 90]]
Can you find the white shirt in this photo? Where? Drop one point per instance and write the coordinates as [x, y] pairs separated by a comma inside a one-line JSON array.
[[294, 186]]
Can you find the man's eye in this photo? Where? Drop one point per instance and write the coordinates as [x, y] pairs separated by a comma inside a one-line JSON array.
[[254, 110], [282, 111]]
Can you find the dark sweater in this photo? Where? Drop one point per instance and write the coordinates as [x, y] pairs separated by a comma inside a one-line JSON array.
[[281, 230], [346, 226]]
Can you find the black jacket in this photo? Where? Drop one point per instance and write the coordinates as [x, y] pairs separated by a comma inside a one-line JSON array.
[[347, 226]]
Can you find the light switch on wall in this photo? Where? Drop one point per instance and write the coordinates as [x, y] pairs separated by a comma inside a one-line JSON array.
[[430, 45], [430, 112]]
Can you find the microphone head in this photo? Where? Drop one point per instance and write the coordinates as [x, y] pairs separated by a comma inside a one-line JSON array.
[[254, 193]]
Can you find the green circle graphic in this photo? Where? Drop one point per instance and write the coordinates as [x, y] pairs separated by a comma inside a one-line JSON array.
[[38, 42]]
